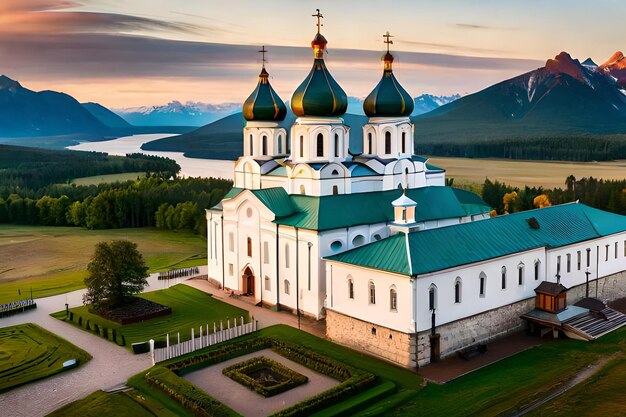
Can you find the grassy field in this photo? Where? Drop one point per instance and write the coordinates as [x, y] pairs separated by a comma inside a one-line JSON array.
[[29, 353], [600, 395], [102, 179], [190, 308], [53, 260], [497, 389], [531, 173]]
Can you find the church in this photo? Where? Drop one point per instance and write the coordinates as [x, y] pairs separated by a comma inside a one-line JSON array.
[[399, 264]]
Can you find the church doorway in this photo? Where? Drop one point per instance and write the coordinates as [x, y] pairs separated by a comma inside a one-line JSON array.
[[247, 285]]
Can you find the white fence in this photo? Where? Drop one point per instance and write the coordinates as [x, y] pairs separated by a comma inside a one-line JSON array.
[[221, 333]]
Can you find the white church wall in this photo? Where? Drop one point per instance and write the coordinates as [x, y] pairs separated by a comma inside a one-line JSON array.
[[360, 306], [471, 302], [366, 184], [438, 179]]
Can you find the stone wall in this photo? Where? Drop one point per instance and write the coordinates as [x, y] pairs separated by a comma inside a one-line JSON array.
[[400, 347], [385, 343]]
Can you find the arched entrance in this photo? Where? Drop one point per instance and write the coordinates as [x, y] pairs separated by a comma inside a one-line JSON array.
[[247, 282]]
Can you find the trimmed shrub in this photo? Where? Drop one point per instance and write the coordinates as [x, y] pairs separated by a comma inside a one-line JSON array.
[[243, 373], [191, 397]]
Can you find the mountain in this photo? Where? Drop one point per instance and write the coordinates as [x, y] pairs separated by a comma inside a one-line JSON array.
[[561, 99], [615, 66], [590, 63], [26, 113], [106, 116], [427, 102], [223, 139], [176, 113]]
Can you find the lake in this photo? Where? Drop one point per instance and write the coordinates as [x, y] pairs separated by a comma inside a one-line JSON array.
[[190, 167], [548, 174]]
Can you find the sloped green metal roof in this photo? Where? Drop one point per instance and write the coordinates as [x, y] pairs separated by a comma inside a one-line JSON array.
[[279, 171], [432, 167], [346, 210], [277, 200], [446, 247]]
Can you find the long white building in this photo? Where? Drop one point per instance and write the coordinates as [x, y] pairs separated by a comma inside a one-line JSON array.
[[375, 242]]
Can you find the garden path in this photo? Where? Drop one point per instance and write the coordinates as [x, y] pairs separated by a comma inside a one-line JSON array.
[[111, 365]]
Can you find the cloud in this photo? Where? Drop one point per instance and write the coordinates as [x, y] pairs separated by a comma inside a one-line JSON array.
[[474, 26]]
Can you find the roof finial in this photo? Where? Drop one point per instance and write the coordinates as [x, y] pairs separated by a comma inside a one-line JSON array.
[[263, 51], [388, 40], [319, 21]]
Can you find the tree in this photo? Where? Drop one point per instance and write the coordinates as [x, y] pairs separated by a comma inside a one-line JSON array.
[[117, 272], [542, 201]]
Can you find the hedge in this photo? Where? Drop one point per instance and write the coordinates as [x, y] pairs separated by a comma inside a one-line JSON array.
[[353, 381], [240, 373], [191, 397]]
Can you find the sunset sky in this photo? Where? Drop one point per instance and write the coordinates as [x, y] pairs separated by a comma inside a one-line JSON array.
[[125, 53]]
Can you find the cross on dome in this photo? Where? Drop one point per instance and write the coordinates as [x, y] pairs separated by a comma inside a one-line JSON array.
[[319, 21], [388, 40], [262, 51]]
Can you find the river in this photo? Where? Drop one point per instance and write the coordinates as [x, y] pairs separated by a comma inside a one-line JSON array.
[[189, 167]]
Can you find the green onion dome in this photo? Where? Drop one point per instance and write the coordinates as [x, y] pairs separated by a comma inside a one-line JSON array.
[[388, 99], [264, 104], [319, 94]]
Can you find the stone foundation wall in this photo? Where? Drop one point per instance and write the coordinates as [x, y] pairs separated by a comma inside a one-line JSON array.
[[401, 347], [386, 343]]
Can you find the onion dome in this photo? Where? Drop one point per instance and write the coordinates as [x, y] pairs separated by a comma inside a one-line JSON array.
[[264, 104], [388, 99], [319, 94]]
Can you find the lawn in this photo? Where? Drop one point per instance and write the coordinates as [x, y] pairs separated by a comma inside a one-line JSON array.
[[53, 260], [29, 353], [512, 383], [601, 395], [190, 308]]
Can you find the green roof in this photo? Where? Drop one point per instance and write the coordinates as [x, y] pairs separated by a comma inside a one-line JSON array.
[[277, 200], [432, 167], [346, 210], [446, 247]]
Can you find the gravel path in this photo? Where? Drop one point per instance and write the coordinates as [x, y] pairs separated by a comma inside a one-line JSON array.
[[111, 365], [247, 402]]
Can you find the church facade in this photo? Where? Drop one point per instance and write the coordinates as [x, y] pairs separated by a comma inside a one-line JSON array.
[[374, 241]]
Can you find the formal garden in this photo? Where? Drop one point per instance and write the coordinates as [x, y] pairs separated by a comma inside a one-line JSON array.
[[384, 389], [29, 353]]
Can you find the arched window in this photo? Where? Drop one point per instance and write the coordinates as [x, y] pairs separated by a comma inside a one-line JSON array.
[[287, 289], [387, 142], [537, 267], [432, 297], [336, 246], [403, 142], [372, 290], [264, 143], [377, 237], [280, 144], [286, 255], [249, 246], [504, 277], [336, 145], [457, 290], [301, 146], [406, 178], [369, 143], [393, 299], [302, 190], [251, 145], [482, 284], [335, 190], [320, 144], [520, 274], [335, 172], [350, 288]]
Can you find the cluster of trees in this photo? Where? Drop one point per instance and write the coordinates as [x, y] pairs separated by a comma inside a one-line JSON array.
[[570, 148], [33, 168], [127, 204], [609, 195]]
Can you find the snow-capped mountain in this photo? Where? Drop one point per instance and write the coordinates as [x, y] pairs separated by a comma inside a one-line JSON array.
[[176, 113], [428, 102], [562, 97], [615, 66]]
